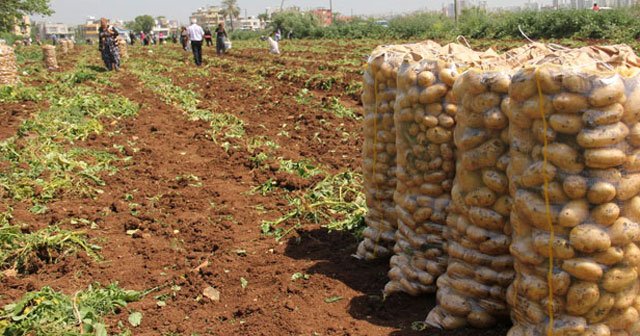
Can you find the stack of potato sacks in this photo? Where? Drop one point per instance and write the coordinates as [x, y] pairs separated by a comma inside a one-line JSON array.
[[379, 150], [575, 181], [424, 117], [555, 133], [49, 57], [8, 68]]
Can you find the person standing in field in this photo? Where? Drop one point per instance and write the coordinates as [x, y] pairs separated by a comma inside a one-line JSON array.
[[195, 36], [221, 34], [107, 44], [132, 37], [596, 8], [208, 37], [184, 38]]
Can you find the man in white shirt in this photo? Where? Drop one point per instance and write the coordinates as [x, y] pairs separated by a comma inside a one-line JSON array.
[[196, 33]]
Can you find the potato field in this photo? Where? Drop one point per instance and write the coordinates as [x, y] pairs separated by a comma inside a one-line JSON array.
[[330, 190]]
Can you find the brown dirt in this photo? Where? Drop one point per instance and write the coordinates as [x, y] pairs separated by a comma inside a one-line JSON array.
[[209, 235]]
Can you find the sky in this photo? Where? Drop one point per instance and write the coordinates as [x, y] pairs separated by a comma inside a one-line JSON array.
[[76, 11]]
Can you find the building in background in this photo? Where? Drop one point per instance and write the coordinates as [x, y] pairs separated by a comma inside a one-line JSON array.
[[207, 16], [324, 15], [250, 23], [59, 30], [89, 30], [22, 27]]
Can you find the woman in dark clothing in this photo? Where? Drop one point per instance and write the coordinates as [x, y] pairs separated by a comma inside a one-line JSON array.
[[184, 38], [208, 37], [108, 45], [221, 34]]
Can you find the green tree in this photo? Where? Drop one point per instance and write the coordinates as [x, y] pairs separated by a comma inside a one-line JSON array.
[[230, 10], [263, 17], [11, 10], [301, 24], [143, 23]]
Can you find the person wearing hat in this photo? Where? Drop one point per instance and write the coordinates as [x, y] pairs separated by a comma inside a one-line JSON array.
[[195, 36]]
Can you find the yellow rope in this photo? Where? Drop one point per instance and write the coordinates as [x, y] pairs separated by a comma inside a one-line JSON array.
[[547, 203]]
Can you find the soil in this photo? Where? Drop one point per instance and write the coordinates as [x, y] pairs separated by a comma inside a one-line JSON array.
[[191, 236]]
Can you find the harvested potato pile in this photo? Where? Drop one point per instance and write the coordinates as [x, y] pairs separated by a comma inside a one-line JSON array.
[[575, 168], [8, 68], [425, 119], [50, 59], [379, 150]]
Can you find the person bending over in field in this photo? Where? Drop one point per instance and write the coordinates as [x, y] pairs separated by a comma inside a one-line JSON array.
[[108, 45], [195, 36], [221, 34]]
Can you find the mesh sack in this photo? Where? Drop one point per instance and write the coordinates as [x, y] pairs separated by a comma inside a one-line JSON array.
[[8, 67], [575, 182], [379, 149], [49, 56]]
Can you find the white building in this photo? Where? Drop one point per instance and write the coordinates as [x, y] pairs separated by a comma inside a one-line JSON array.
[[60, 30], [249, 23]]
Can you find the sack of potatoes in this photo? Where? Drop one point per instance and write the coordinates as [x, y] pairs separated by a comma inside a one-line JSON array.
[[8, 67], [574, 178], [424, 120], [49, 57], [473, 289], [379, 149]]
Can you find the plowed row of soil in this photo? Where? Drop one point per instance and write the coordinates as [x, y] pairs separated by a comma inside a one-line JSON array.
[[196, 236]]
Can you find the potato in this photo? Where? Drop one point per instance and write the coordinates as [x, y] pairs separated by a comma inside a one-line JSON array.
[[604, 158], [610, 93], [629, 187], [589, 238], [631, 209], [534, 208], [571, 103], [606, 214], [634, 134], [564, 157], [618, 279], [582, 296], [566, 123], [621, 319], [556, 193], [601, 309], [494, 119], [577, 82], [627, 296], [550, 81], [632, 107], [632, 254], [533, 287], [536, 173], [605, 116], [611, 256], [439, 135], [495, 180], [485, 101], [486, 218], [481, 319], [573, 213], [448, 76], [597, 330], [433, 94], [522, 86], [601, 192], [503, 205], [624, 231], [425, 78], [562, 249], [603, 136], [532, 108], [523, 250], [583, 269], [567, 326], [517, 116], [453, 303], [575, 186], [470, 138], [483, 156]]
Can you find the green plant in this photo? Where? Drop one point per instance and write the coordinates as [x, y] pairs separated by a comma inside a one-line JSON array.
[[48, 244], [47, 312], [337, 202]]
